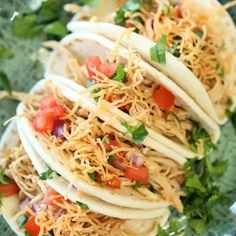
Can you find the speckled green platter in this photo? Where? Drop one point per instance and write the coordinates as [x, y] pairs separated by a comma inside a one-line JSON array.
[[23, 71]]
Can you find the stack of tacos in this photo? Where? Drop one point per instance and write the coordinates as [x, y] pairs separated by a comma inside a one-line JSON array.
[[98, 146]]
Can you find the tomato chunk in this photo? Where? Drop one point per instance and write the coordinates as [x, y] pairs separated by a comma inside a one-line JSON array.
[[31, 227], [43, 122], [47, 102], [107, 69], [111, 144], [51, 197], [116, 97], [115, 182], [164, 98], [137, 173], [93, 62], [9, 189]]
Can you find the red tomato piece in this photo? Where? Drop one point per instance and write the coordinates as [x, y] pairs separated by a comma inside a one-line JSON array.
[[51, 197], [31, 227], [48, 101], [115, 97], [179, 11], [115, 182], [164, 98], [137, 173], [43, 122], [112, 144], [9, 189], [93, 62], [58, 111], [107, 69]]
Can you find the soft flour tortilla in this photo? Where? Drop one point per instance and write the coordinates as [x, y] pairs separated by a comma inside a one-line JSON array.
[[83, 45], [11, 207], [174, 68]]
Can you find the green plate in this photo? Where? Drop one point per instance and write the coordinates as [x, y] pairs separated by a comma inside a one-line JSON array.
[[23, 71]]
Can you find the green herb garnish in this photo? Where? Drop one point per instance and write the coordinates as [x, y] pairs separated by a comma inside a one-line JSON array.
[[120, 74], [1, 196], [21, 221], [82, 205], [137, 185], [28, 234], [167, 9], [92, 176], [3, 178], [202, 195], [199, 33], [158, 51], [56, 28], [5, 83], [5, 52], [198, 134], [96, 90], [221, 72], [228, 113], [138, 133], [47, 174]]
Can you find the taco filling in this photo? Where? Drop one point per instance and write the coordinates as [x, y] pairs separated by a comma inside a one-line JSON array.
[[190, 36], [99, 154], [43, 211]]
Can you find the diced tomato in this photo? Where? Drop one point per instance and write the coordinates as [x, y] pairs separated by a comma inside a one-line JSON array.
[[164, 98], [115, 182], [107, 69], [48, 101], [57, 111], [112, 144], [93, 62], [137, 173], [179, 11], [115, 97], [9, 189], [43, 122], [31, 227], [51, 196]]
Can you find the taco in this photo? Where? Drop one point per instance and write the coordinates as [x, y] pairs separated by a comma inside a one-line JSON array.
[[95, 157], [199, 57], [119, 80], [31, 206]]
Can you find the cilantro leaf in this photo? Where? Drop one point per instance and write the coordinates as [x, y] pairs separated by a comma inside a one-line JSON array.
[[111, 159], [92, 176], [82, 205], [5, 52], [120, 74], [138, 133], [137, 185], [5, 83], [96, 90], [158, 51], [47, 174], [56, 28], [91, 3], [21, 221], [3, 178], [198, 225], [26, 26], [199, 33]]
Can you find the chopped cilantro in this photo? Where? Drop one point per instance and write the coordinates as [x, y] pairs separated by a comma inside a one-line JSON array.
[[5, 83], [5, 52], [198, 134], [96, 90], [202, 195], [137, 185], [47, 174], [138, 133], [111, 159], [119, 75], [3, 178], [199, 33], [28, 234], [221, 72], [158, 51], [21, 221], [56, 28], [90, 3], [167, 9], [228, 113], [92, 176], [82, 205]]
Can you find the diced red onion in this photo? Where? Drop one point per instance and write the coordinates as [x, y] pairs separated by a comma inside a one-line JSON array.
[[35, 207], [118, 165], [137, 158], [24, 202], [58, 128]]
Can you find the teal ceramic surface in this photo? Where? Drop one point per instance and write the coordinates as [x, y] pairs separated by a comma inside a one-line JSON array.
[[23, 72]]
